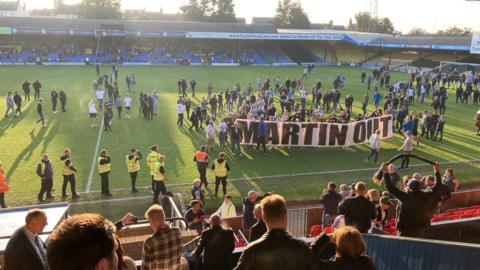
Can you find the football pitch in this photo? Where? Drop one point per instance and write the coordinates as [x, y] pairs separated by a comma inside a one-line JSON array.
[[300, 174]]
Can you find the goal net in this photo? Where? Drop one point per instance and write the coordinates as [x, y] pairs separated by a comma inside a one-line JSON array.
[[446, 66]]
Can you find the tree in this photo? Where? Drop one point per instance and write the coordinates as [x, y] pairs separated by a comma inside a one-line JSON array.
[[417, 31], [363, 21], [100, 9], [366, 23], [385, 25], [209, 11], [291, 15], [225, 11], [192, 11], [455, 31]]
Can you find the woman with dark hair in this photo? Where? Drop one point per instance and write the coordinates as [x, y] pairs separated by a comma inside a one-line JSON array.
[[350, 251], [450, 180]]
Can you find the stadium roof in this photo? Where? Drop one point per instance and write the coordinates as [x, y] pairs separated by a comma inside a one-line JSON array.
[[425, 40], [133, 25]]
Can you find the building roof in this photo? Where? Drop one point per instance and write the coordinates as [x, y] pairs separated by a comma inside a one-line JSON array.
[[135, 25]]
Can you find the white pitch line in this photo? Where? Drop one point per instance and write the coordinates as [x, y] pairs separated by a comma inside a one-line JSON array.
[[112, 200], [90, 176], [298, 174]]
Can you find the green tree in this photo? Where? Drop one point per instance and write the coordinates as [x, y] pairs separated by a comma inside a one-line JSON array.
[[100, 9], [290, 14], [455, 31], [209, 11], [364, 22], [385, 25], [417, 31], [224, 11], [193, 11]]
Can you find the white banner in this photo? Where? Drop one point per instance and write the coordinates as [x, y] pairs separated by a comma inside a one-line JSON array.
[[317, 134], [475, 47]]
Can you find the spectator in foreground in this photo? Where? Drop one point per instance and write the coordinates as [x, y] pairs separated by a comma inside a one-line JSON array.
[[217, 245], [416, 205], [330, 201], [25, 250], [259, 228], [162, 249], [277, 249], [80, 242], [350, 250], [359, 211]]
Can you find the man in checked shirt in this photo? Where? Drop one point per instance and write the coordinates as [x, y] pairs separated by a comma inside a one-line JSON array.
[[162, 249]]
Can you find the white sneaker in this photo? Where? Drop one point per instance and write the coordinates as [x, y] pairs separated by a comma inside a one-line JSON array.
[[44, 125], [55, 111]]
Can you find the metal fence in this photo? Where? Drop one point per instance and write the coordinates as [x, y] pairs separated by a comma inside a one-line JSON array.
[[302, 219]]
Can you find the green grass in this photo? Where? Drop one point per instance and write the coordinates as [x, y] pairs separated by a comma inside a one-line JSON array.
[[22, 144]]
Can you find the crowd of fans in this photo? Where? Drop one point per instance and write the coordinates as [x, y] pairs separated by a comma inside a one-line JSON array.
[[178, 52], [89, 241]]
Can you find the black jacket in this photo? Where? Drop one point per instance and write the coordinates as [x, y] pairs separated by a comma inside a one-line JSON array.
[[330, 202], [416, 206], [359, 212], [277, 249], [48, 173], [20, 254], [217, 245], [257, 230]]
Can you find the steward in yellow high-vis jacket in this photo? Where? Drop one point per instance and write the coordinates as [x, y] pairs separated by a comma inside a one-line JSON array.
[[133, 166], [68, 172], [103, 164], [221, 169], [159, 177], [45, 171], [152, 158]]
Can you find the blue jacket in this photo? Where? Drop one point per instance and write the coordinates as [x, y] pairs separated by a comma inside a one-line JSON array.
[[262, 129], [377, 97]]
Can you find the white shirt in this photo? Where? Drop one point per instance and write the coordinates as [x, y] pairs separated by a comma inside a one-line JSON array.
[[91, 107], [407, 144], [223, 126], [303, 93], [100, 94], [374, 141], [410, 92], [128, 101], [211, 132], [226, 210], [180, 108]]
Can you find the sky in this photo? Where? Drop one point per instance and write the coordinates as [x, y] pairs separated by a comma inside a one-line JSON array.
[[431, 15]]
